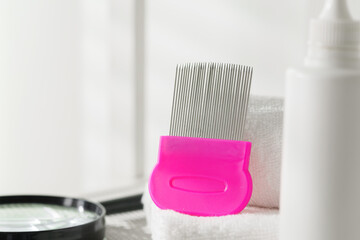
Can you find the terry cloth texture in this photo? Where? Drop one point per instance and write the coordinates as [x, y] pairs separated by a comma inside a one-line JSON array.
[[263, 128], [251, 224]]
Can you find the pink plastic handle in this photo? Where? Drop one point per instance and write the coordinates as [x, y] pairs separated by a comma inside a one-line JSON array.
[[202, 177]]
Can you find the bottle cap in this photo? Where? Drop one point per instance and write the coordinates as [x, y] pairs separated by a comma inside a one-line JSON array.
[[334, 35]]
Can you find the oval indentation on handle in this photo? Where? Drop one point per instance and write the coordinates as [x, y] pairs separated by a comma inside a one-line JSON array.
[[198, 184]]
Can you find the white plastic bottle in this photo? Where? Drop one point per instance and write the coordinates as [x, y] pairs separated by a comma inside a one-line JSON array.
[[320, 185]]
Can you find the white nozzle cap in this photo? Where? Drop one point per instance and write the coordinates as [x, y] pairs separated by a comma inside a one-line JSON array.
[[334, 34], [335, 9]]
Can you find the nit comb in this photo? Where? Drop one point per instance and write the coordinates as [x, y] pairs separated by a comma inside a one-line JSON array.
[[202, 167]]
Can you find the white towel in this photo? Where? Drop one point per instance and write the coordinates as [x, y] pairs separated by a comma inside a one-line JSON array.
[[251, 224], [264, 130]]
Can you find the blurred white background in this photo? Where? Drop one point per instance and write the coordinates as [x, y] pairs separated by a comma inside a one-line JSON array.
[[86, 85]]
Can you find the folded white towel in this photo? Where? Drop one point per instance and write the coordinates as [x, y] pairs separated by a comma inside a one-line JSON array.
[[264, 129], [251, 224]]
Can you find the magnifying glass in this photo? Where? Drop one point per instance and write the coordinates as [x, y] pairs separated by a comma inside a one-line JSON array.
[[48, 217]]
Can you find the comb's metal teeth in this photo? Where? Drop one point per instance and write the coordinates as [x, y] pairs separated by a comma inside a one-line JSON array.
[[241, 99], [192, 89], [175, 98], [184, 100], [192, 100], [198, 126], [231, 126], [222, 133], [248, 82], [246, 104], [236, 102], [236, 108], [207, 103], [229, 101], [176, 103], [219, 107], [207, 110], [207, 74], [210, 100], [180, 99], [216, 100], [188, 101]]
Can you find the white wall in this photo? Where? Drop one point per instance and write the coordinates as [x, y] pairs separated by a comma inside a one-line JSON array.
[[108, 90], [66, 96], [268, 35], [39, 86]]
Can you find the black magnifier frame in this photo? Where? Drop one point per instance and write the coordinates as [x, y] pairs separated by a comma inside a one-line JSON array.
[[93, 230]]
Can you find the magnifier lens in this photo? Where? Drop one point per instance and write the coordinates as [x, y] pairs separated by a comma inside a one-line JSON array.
[[26, 217], [50, 217]]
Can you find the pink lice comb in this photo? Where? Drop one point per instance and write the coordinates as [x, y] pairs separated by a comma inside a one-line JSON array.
[[202, 168]]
